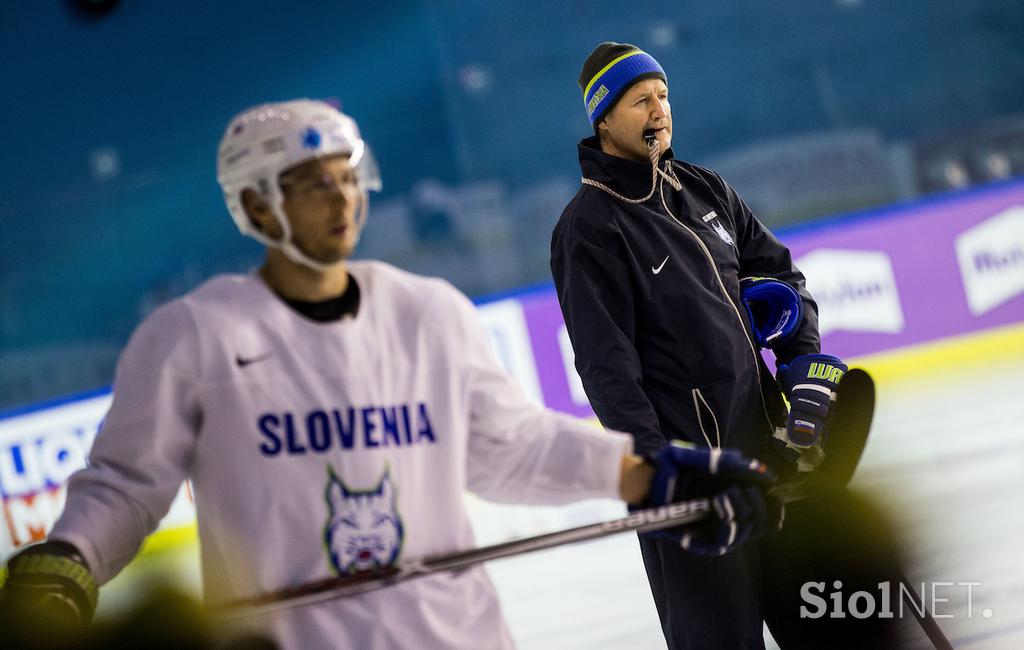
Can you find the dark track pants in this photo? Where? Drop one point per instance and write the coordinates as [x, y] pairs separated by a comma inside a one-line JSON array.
[[705, 602], [721, 602]]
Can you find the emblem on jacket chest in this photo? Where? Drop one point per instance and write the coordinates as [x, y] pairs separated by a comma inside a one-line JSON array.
[[723, 233]]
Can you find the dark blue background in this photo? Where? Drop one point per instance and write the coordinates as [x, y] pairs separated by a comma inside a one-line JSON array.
[[460, 92]]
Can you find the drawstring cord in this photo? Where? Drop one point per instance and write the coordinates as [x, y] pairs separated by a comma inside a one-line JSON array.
[[654, 153]]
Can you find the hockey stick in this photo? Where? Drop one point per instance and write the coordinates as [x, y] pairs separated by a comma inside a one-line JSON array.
[[848, 429], [852, 422], [847, 440], [641, 521], [923, 616]]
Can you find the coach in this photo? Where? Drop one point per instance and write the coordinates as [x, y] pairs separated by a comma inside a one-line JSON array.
[[669, 286]]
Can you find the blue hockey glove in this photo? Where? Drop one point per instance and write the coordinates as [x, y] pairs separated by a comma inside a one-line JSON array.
[[737, 486], [774, 307], [809, 383]]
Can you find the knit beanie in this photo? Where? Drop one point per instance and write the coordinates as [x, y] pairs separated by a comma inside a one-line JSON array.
[[609, 71]]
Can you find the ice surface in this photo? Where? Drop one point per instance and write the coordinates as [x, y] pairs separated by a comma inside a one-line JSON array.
[[947, 457]]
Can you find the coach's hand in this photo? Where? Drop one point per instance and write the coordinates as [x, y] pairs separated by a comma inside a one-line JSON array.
[[737, 486], [809, 383]]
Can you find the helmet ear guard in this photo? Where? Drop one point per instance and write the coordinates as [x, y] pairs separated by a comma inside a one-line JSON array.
[[262, 142], [774, 307]]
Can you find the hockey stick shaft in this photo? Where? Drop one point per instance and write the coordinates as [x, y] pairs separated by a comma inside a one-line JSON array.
[[924, 617], [641, 521], [682, 513]]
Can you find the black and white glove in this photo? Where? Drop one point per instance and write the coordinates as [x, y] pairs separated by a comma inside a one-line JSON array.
[[53, 580], [742, 509], [809, 383]]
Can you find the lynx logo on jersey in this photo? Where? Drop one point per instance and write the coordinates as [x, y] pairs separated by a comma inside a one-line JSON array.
[[363, 529]]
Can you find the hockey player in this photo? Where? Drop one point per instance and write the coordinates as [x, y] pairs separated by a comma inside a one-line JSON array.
[[330, 414], [669, 286]]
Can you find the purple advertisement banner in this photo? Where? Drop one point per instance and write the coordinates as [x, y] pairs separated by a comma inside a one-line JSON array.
[[553, 355], [917, 273], [884, 280]]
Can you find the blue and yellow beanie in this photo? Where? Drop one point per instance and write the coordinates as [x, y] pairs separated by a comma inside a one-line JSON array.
[[609, 71]]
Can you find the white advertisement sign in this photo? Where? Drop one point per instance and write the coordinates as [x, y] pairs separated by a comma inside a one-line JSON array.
[[991, 258], [855, 290], [39, 451], [506, 325]]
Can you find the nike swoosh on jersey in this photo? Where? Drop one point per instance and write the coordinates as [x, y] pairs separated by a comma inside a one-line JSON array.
[[243, 362], [656, 271]]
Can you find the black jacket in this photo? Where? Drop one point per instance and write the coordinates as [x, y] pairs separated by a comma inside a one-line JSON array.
[[648, 281]]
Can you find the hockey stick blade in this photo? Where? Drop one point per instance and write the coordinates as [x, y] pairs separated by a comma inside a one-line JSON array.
[[847, 436]]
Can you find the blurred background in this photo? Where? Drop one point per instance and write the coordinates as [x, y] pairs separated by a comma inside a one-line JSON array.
[[109, 203], [830, 117]]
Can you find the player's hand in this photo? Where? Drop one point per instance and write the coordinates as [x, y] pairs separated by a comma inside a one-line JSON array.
[[682, 472], [49, 582], [742, 509], [809, 383], [741, 514]]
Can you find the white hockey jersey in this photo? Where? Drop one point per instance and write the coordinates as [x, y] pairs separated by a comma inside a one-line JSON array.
[[320, 448]]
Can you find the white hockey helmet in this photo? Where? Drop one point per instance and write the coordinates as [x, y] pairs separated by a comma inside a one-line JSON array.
[[262, 142]]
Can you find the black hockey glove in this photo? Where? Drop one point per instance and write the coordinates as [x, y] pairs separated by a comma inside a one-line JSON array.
[[51, 581], [809, 383], [737, 486]]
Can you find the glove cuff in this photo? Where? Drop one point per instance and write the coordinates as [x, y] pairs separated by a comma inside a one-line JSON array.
[[774, 307], [64, 571]]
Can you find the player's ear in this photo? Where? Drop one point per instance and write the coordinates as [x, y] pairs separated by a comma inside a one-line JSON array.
[[259, 214]]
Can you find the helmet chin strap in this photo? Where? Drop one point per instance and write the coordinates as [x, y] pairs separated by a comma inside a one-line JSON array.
[[293, 252]]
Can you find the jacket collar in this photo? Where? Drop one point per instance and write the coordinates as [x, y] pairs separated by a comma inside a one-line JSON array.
[[630, 178]]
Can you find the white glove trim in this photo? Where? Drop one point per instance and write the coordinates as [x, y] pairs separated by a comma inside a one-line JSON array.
[[818, 387]]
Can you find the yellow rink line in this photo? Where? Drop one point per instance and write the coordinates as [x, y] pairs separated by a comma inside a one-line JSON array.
[[955, 354], [170, 539]]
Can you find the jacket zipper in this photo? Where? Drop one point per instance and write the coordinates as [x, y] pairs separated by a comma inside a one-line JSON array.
[[725, 292]]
